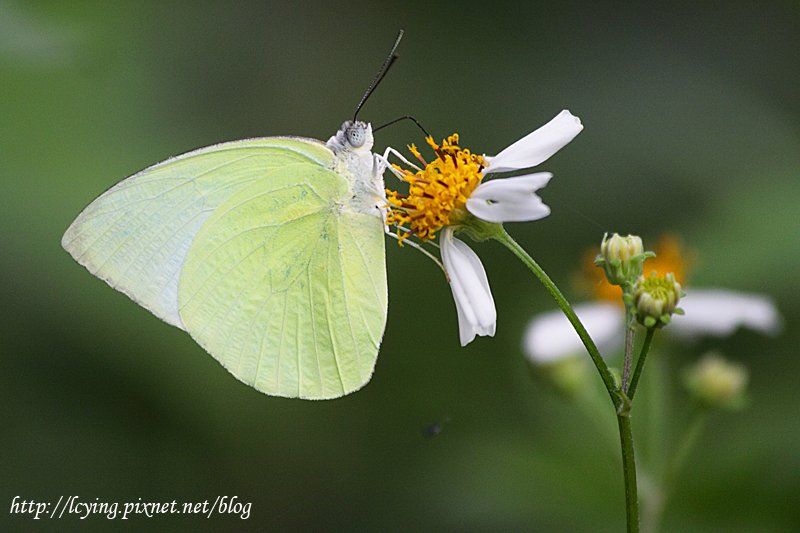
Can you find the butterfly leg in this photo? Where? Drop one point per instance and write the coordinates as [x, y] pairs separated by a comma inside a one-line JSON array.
[[421, 249], [394, 152], [379, 164]]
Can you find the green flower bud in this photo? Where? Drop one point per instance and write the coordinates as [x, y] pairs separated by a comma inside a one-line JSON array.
[[567, 376], [621, 258], [717, 382], [655, 299]]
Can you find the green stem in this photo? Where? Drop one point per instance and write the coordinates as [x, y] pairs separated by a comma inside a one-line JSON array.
[[626, 361], [608, 380], [618, 398], [640, 362], [686, 444], [629, 472]]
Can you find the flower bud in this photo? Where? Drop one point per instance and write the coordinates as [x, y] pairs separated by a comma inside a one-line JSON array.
[[621, 258], [655, 299], [717, 382], [567, 376]]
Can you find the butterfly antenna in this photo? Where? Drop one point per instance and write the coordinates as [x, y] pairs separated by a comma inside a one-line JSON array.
[[407, 117], [381, 73]]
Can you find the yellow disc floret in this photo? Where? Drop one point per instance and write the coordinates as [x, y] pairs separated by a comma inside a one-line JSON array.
[[438, 193]]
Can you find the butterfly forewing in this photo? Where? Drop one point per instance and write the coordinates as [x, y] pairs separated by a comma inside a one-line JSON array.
[[135, 236]]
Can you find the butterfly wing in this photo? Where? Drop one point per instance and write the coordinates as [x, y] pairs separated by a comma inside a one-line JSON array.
[[258, 258], [136, 235], [287, 288]]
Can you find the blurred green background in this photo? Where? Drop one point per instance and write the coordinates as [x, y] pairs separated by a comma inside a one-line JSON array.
[[692, 126]]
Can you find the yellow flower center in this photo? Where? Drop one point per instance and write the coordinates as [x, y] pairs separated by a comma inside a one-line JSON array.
[[670, 257], [438, 193]]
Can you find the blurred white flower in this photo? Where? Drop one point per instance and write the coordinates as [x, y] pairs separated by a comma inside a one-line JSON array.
[[708, 312], [550, 337], [720, 312]]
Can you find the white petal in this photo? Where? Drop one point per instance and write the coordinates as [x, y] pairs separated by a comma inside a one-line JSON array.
[[466, 331], [510, 199], [537, 146], [719, 312], [470, 286], [550, 337]]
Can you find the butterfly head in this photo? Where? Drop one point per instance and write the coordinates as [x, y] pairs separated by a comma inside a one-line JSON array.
[[357, 133], [354, 136]]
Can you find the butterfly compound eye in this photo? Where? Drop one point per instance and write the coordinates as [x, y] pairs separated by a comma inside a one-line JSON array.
[[357, 135]]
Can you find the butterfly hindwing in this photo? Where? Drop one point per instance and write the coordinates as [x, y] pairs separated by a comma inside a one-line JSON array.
[[287, 288]]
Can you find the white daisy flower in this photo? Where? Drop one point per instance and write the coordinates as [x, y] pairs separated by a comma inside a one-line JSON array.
[[446, 192], [550, 337], [708, 312]]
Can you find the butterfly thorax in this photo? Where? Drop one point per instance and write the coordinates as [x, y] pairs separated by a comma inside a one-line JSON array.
[[352, 146]]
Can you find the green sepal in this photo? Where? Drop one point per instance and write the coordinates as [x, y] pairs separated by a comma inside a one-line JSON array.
[[479, 230]]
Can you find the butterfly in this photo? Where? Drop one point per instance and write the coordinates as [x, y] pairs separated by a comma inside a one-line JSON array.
[[269, 252]]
